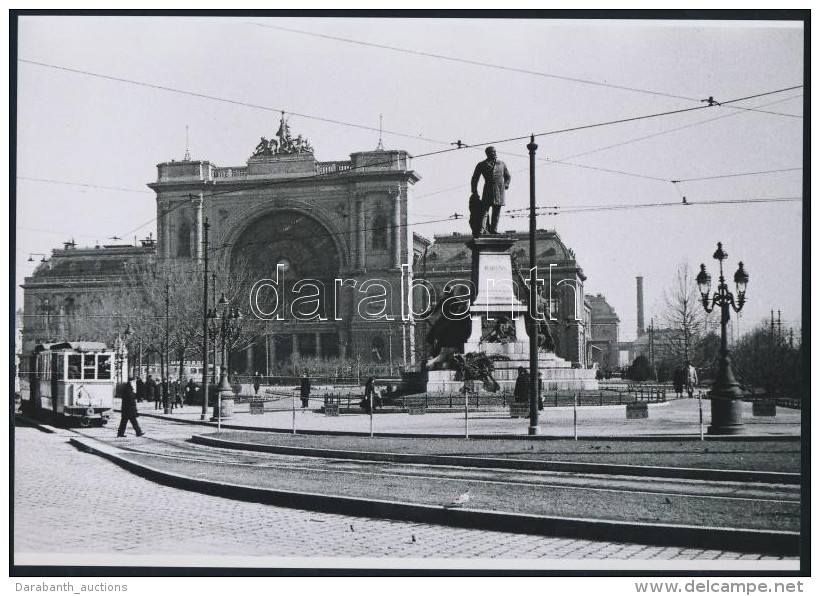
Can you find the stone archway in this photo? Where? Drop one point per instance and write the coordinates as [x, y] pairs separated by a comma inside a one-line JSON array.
[[302, 245], [307, 251]]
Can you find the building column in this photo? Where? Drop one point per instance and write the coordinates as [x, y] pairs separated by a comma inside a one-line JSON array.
[[272, 351], [164, 228], [249, 360], [198, 201], [318, 338], [295, 340], [397, 231], [412, 339], [344, 338], [360, 231]]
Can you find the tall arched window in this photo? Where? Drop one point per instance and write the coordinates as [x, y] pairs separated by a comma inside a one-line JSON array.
[[379, 228], [184, 240]]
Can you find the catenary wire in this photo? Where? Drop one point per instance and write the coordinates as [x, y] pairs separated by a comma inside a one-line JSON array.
[[504, 68]]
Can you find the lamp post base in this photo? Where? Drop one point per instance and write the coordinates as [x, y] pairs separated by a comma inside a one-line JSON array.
[[533, 430], [727, 416], [226, 412]]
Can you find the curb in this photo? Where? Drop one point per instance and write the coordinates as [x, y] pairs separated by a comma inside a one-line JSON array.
[[732, 539], [513, 464]]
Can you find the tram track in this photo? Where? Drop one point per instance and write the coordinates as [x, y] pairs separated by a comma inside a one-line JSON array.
[[745, 516], [356, 470]]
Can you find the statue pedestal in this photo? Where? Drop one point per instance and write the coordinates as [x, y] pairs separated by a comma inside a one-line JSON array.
[[498, 327]]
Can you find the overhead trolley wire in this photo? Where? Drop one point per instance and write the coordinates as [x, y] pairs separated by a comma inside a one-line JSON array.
[[228, 101], [505, 68]]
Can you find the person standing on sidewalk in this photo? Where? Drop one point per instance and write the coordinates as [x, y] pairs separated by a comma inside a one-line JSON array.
[[129, 409], [140, 390], [152, 391], [304, 391], [691, 379]]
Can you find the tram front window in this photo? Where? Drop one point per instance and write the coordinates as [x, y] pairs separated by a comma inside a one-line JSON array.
[[103, 366], [74, 366], [89, 367]]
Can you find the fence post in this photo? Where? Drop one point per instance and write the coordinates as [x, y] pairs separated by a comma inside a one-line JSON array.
[[700, 408], [575, 397], [600, 398], [620, 398], [466, 409]]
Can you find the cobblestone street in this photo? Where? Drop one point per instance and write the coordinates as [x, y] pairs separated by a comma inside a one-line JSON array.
[[72, 503]]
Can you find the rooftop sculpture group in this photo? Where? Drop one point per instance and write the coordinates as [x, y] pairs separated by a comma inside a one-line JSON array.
[[283, 144]]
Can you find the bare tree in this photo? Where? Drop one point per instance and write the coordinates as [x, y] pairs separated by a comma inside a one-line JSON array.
[[684, 318]]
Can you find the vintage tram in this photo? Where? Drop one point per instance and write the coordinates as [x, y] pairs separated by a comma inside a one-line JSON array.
[[72, 382]]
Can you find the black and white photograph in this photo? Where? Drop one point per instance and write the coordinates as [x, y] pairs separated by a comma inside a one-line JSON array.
[[410, 293]]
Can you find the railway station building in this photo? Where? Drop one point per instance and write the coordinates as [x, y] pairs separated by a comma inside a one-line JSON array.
[[286, 217]]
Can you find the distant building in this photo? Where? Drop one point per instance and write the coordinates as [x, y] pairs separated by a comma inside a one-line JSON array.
[[603, 345]]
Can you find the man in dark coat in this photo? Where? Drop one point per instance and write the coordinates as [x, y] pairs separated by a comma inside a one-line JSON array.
[[678, 379], [129, 409], [140, 389], [190, 391], [369, 391], [304, 391], [521, 393], [496, 181], [152, 391]]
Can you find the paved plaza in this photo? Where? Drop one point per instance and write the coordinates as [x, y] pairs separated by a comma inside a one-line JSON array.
[[114, 513]]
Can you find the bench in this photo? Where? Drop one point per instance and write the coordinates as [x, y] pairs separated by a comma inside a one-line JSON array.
[[764, 408], [257, 407], [332, 409], [415, 407], [637, 410], [519, 410]]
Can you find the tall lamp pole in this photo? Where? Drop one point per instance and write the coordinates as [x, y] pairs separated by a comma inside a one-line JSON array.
[[531, 318], [205, 339], [727, 416], [228, 318]]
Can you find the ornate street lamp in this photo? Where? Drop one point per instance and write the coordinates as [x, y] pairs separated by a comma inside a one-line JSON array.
[[120, 351], [727, 417], [229, 320]]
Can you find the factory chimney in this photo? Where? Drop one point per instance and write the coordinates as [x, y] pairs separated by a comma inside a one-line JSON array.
[[641, 329]]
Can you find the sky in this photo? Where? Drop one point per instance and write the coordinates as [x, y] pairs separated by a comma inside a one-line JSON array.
[[102, 100]]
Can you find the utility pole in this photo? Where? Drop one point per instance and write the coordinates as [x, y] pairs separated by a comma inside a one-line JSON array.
[[167, 377], [652, 346], [533, 310], [205, 338]]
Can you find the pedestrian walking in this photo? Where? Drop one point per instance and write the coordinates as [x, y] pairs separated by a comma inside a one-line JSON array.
[[678, 379], [691, 379], [129, 409], [304, 391]]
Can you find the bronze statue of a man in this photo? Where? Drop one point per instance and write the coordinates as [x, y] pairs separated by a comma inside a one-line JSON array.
[[496, 181]]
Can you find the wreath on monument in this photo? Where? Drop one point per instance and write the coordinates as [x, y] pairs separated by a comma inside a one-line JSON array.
[[478, 366]]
